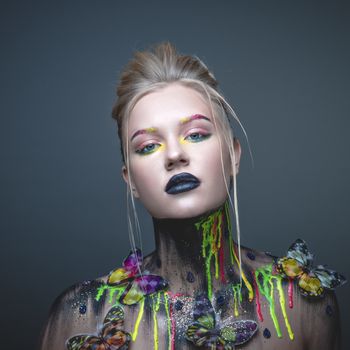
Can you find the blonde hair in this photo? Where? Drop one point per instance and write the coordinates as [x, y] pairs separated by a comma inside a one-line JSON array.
[[152, 70]]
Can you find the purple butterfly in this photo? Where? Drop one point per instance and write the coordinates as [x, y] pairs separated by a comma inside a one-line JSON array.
[[137, 284]]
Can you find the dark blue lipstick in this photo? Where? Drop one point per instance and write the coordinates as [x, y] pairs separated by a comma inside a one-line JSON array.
[[182, 182]]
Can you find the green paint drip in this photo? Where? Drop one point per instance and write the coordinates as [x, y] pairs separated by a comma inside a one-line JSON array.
[[211, 240], [112, 292], [167, 311], [237, 297], [155, 309], [267, 290]]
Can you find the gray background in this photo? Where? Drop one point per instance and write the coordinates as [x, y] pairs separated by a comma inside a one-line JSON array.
[[284, 66]]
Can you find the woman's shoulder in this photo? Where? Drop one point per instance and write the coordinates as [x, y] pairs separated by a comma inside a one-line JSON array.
[[303, 291], [75, 310]]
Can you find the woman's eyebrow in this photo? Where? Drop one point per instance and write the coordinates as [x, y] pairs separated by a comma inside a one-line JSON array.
[[185, 120], [150, 130]]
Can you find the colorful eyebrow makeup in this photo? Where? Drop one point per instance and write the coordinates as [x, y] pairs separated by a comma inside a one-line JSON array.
[[183, 120]]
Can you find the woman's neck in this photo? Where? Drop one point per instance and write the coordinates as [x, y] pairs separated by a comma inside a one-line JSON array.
[[195, 253]]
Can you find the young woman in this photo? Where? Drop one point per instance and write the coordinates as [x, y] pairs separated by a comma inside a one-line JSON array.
[[199, 288]]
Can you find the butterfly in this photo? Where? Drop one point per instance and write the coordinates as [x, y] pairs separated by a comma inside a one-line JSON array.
[[208, 332], [111, 336], [312, 281], [137, 284]]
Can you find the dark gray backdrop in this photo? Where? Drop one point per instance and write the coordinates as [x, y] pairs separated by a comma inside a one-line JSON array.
[[284, 66]]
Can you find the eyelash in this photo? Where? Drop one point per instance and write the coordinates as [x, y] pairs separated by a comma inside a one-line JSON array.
[[143, 151]]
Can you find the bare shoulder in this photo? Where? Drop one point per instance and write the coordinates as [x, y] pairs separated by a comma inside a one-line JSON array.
[[302, 293], [74, 311]]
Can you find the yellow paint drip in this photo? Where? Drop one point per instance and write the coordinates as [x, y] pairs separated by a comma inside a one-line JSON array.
[[244, 277], [283, 307], [138, 320]]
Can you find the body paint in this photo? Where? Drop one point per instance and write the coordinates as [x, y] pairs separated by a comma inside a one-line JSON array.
[[138, 320], [211, 243], [290, 292], [155, 309], [244, 277], [257, 299], [267, 290], [237, 298]]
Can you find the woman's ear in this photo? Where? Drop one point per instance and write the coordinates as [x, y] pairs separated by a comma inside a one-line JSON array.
[[238, 151], [126, 178]]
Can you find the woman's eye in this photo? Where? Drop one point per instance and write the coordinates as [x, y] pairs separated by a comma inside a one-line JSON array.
[[150, 148], [196, 137]]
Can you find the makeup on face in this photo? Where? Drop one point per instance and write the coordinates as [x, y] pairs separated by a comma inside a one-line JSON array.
[[182, 182], [149, 146]]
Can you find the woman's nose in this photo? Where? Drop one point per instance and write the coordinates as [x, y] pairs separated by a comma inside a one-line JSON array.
[[175, 155]]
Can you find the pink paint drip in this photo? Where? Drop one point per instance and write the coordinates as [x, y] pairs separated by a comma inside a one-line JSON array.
[[222, 260], [172, 318], [290, 293], [172, 340], [257, 299]]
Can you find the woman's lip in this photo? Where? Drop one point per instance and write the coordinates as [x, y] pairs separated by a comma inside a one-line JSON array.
[[182, 182]]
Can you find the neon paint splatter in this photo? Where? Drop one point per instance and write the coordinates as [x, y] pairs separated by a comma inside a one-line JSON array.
[[290, 292], [211, 243], [138, 320], [267, 290], [283, 307], [237, 298], [244, 277], [155, 308], [257, 299], [167, 312], [113, 292]]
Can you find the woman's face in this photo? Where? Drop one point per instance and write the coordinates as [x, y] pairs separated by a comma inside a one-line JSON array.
[[174, 154]]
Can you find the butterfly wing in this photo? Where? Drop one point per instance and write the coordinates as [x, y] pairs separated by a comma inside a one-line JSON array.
[[130, 268], [238, 332], [289, 267], [329, 278], [300, 252], [310, 285], [115, 314], [76, 342], [86, 342], [142, 286], [202, 331], [115, 337]]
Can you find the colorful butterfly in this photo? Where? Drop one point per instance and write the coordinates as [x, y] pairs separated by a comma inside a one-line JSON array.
[[111, 336], [206, 331], [312, 281], [137, 284]]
